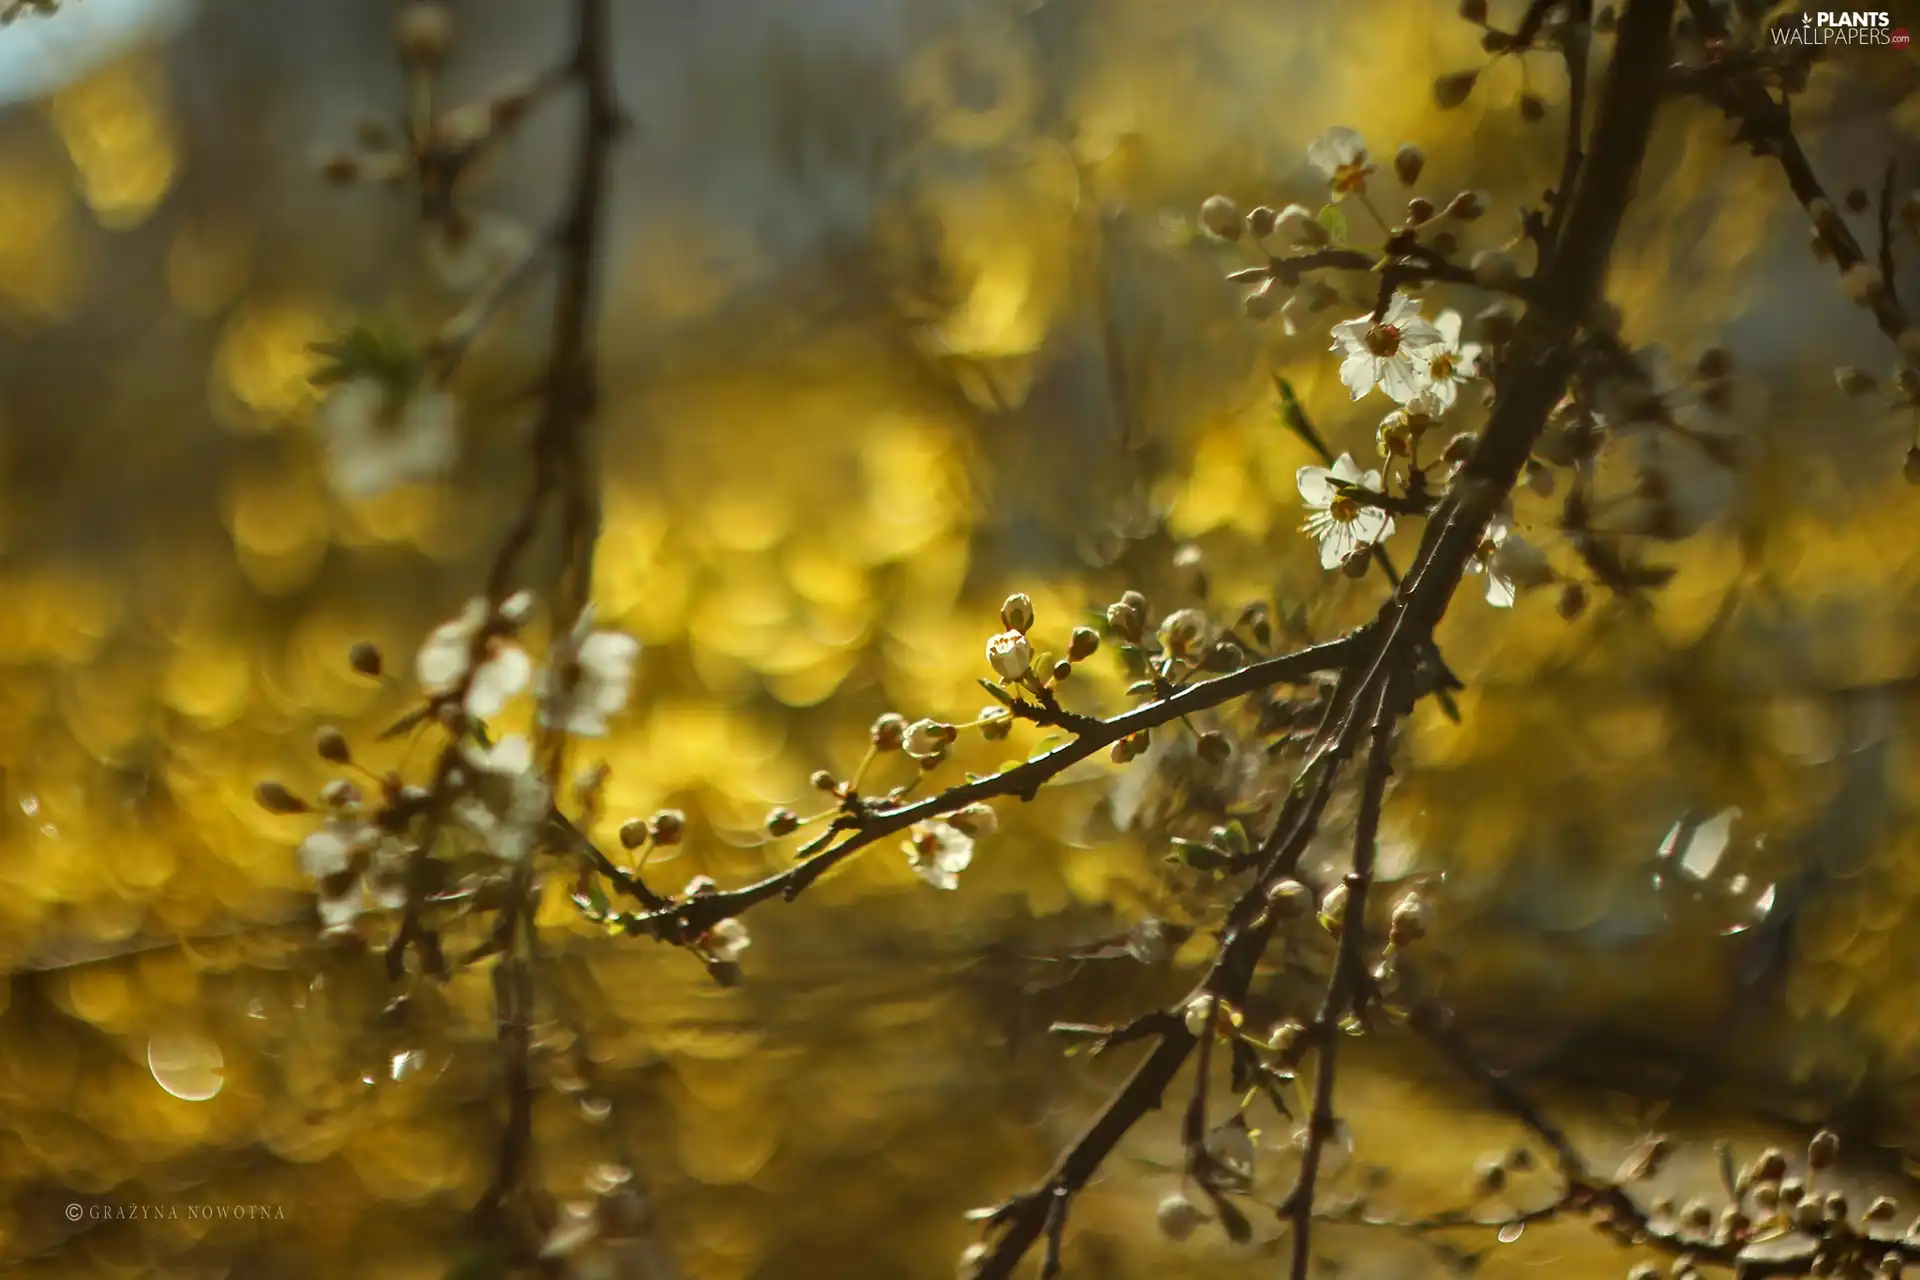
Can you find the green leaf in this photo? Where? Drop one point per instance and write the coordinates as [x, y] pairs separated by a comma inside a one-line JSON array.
[[1134, 659], [1334, 221], [996, 692]]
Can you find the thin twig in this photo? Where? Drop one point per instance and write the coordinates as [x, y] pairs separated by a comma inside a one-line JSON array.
[[1345, 982], [696, 915]]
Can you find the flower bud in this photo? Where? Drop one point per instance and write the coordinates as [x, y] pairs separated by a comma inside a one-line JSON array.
[[1010, 655], [668, 826], [1408, 161], [976, 820], [1409, 921], [1853, 381], [1298, 226], [1125, 621], [926, 738], [1213, 747], [1183, 632], [1017, 613], [364, 658], [1333, 907], [339, 794], [1129, 748], [1856, 200], [1714, 362], [340, 169], [1261, 221], [1474, 11], [1062, 669], [633, 834], [996, 722], [1221, 217], [1178, 1217], [821, 780], [1862, 284], [1357, 561], [1420, 210], [331, 745], [423, 30], [1083, 644], [1572, 602], [275, 798], [1466, 206], [889, 731], [1450, 90], [1823, 1150], [1288, 899], [782, 822], [1882, 1209]]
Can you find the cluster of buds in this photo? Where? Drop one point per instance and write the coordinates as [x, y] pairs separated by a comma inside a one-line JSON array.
[[1011, 655]]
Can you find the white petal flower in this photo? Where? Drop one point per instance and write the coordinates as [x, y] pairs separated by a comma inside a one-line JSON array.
[[1339, 522], [1340, 154], [1392, 353], [442, 663], [377, 439], [330, 850], [938, 852], [485, 248], [337, 915], [444, 656], [591, 679], [508, 802], [1510, 562], [726, 940], [502, 674], [1452, 363], [1010, 654], [927, 738]]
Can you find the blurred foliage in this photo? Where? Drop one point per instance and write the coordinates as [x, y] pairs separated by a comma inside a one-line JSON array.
[[940, 328]]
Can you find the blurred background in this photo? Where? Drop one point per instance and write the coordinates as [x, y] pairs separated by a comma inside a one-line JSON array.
[[903, 309]]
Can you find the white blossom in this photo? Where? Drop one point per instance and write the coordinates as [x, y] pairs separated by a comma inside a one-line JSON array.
[[507, 802], [1340, 523], [927, 738], [378, 438], [1340, 154], [1452, 364], [446, 655], [1393, 352], [726, 940], [476, 253], [1510, 562], [938, 852], [1010, 654], [330, 850], [591, 679]]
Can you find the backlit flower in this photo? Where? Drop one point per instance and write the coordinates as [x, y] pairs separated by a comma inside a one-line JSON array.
[[1341, 523], [1453, 363], [446, 659], [377, 437], [938, 852], [591, 678], [1392, 352], [1340, 154]]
